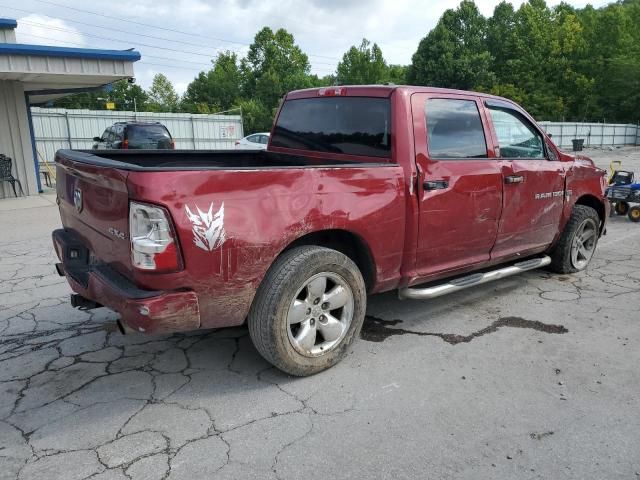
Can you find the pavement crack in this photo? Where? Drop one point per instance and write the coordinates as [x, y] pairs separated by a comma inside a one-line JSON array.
[[378, 330]]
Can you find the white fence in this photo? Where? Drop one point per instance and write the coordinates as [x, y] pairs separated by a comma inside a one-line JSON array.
[[594, 134], [56, 128]]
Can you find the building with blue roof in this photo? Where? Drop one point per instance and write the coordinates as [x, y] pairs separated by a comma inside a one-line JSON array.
[[36, 74]]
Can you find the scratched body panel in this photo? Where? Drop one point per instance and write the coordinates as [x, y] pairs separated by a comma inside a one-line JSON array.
[[265, 211]]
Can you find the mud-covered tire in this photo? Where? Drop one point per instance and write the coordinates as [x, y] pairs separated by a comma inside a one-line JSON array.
[[562, 260], [284, 283], [634, 213], [622, 208]]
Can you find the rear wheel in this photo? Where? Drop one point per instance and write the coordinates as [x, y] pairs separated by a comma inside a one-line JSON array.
[[308, 310], [622, 208], [634, 214], [578, 241]]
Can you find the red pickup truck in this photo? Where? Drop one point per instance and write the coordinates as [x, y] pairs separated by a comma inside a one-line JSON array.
[[361, 190]]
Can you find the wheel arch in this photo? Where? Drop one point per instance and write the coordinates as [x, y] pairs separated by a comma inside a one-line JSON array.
[[346, 242], [594, 202]]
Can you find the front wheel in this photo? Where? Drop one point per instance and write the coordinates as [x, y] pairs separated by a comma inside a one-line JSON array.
[[578, 241], [308, 310]]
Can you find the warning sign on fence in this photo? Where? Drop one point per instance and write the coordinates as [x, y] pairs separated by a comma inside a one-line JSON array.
[[228, 131]]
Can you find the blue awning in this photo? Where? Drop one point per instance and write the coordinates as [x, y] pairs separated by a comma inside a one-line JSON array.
[[8, 23], [49, 51]]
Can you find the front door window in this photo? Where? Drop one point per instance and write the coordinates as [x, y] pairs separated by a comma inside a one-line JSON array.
[[517, 138]]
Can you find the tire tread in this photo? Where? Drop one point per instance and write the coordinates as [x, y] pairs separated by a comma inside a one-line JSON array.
[[268, 297], [561, 252]]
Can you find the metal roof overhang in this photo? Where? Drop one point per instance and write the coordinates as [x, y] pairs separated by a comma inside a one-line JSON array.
[[49, 72]]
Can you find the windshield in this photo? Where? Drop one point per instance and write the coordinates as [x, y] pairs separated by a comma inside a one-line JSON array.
[[148, 136], [349, 125]]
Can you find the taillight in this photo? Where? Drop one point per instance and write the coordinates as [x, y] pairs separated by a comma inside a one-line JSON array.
[[332, 92], [172, 145], [237, 142], [125, 144], [153, 245]]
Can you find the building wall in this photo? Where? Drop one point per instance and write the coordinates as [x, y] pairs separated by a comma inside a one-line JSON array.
[[15, 137], [7, 35]]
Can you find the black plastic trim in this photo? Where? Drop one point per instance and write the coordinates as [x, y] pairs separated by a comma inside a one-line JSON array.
[[79, 269], [185, 160]]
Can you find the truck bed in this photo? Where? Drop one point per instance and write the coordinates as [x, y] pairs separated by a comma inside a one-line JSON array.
[[176, 160]]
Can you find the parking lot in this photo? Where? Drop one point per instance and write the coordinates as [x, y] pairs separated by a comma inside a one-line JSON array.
[[535, 376]]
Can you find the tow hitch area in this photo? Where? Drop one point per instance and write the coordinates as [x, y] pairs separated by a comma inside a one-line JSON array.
[[78, 301]]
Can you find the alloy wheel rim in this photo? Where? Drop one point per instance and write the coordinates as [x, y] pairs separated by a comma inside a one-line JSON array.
[[584, 244], [320, 314]]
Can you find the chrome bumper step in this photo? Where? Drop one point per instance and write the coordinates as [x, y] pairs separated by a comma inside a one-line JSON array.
[[473, 279]]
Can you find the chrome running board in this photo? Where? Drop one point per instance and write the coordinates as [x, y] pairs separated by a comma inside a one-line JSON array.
[[471, 280]]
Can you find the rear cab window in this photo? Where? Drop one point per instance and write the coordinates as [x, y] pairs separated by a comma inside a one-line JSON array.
[[148, 136], [344, 125]]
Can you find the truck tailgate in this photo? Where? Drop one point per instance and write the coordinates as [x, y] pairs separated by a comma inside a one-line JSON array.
[[94, 204]]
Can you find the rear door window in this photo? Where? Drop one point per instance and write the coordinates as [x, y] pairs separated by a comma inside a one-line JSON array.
[[454, 129], [347, 125], [148, 136]]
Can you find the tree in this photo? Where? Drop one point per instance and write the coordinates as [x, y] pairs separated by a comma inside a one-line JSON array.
[[122, 93], [128, 96], [363, 65], [454, 54], [215, 90], [162, 95], [502, 39], [255, 116], [273, 66], [397, 74]]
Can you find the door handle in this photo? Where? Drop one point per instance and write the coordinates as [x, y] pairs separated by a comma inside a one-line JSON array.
[[435, 184], [514, 179]]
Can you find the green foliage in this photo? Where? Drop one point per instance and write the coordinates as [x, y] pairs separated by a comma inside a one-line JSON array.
[[256, 116], [455, 53], [559, 63], [215, 90], [363, 65], [162, 95], [397, 74], [128, 96], [122, 94], [273, 66]]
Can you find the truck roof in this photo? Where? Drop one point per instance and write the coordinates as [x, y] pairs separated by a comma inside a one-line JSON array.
[[382, 91]]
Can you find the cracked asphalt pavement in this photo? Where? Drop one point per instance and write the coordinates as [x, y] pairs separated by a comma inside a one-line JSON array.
[[535, 376]]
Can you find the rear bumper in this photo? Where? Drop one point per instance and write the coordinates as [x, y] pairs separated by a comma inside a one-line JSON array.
[[150, 311]]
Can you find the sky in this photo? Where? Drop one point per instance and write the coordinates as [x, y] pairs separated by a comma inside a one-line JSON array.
[[180, 37]]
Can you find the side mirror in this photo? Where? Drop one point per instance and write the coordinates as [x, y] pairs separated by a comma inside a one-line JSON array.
[[97, 139], [549, 135]]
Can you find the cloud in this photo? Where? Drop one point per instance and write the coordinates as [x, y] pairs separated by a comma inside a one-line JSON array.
[[40, 29]]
